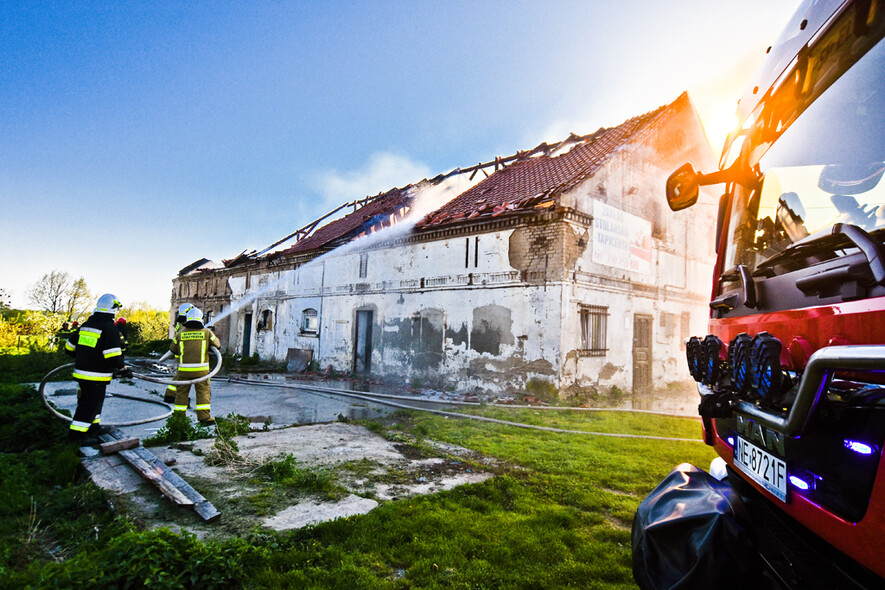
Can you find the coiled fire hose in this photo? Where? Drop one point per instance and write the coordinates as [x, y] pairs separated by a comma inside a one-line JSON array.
[[143, 377]]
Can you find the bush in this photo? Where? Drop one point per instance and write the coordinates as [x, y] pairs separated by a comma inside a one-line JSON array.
[[178, 428], [25, 423], [31, 367], [43, 512], [156, 559]]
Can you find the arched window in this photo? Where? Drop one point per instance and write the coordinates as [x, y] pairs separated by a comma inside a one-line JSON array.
[[309, 321], [266, 320]]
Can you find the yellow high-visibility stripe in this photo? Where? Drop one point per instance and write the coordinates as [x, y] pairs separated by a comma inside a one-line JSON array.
[[80, 426], [91, 376], [112, 352], [201, 407], [69, 345], [171, 388], [180, 408]]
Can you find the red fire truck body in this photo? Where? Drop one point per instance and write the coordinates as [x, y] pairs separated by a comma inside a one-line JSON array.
[[792, 370]]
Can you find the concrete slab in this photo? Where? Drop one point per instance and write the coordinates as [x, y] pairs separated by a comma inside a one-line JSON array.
[[313, 512]]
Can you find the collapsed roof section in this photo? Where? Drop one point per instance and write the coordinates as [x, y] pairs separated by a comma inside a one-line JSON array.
[[536, 178], [199, 265], [526, 181]]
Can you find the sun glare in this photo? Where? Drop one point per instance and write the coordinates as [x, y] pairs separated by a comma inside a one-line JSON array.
[[718, 120]]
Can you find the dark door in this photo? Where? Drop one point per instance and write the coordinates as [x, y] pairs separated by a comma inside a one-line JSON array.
[[362, 349], [247, 334], [642, 354]]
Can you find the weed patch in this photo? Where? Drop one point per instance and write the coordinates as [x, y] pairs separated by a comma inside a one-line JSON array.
[[178, 428]]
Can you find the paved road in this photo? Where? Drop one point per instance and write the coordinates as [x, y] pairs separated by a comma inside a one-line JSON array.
[[279, 406]]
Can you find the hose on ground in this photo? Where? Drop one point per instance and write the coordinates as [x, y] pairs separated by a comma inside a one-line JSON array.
[[211, 374], [143, 377], [377, 398], [58, 414]]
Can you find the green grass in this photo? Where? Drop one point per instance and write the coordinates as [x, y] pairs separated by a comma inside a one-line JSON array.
[[594, 421], [557, 513], [31, 367]]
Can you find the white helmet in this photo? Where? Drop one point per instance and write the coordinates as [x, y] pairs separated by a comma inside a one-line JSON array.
[[182, 312], [194, 315], [107, 303]]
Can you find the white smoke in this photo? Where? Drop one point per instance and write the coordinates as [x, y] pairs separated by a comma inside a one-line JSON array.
[[382, 171], [426, 198]]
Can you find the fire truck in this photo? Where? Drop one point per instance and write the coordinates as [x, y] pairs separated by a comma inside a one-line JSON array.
[[792, 371]]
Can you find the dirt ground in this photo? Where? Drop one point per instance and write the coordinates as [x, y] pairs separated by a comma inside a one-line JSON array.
[[366, 468]]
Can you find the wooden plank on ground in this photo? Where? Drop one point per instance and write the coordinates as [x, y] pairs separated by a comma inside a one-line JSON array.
[[150, 474], [201, 505], [109, 448]]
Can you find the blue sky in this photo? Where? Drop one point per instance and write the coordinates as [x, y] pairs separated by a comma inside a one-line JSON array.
[[137, 137]]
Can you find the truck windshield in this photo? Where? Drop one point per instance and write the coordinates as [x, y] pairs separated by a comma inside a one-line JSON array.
[[826, 168]]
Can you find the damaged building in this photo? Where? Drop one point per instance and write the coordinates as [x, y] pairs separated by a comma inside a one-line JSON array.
[[558, 268]]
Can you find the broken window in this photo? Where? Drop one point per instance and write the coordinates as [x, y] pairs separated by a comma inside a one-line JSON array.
[[266, 320], [309, 321], [594, 319], [364, 264]]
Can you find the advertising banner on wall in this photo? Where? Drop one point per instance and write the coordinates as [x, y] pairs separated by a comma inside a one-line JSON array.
[[620, 239]]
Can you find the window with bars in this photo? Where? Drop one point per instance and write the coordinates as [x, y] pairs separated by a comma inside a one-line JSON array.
[[594, 321]]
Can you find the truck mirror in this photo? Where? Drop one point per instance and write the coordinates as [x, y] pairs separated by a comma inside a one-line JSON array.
[[682, 188]]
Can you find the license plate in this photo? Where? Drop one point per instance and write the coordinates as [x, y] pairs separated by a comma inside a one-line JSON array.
[[766, 469]]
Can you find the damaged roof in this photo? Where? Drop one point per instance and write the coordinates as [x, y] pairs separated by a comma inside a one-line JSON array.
[[376, 212], [525, 181], [536, 178]]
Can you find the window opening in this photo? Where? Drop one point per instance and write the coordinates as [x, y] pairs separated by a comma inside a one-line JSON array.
[[309, 321], [594, 320], [364, 264], [266, 321]]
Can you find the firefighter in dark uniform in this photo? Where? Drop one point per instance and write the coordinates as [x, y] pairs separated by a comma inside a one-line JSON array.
[[98, 356], [124, 332], [191, 346], [169, 396]]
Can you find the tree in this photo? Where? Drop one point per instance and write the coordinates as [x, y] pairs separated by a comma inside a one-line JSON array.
[[77, 299], [58, 292], [145, 323], [4, 299]]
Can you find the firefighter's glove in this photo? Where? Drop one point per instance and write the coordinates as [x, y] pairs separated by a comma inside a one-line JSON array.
[[124, 373]]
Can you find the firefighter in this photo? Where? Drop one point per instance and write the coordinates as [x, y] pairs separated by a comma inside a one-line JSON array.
[[124, 332], [191, 346], [98, 356], [169, 396]]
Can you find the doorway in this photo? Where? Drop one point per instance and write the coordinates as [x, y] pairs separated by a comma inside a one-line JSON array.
[[247, 334], [642, 378], [362, 346]]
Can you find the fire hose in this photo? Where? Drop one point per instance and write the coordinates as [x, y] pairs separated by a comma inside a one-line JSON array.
[[143, 377]]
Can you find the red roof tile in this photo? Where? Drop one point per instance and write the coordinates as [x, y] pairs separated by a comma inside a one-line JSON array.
[[354, 223], [535, 179]]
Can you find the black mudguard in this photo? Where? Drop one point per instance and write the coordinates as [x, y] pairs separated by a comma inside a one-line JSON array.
[[693, 531]]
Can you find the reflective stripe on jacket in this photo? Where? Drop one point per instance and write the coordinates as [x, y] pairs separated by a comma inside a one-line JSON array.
[[96, 348], [191, 346]]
